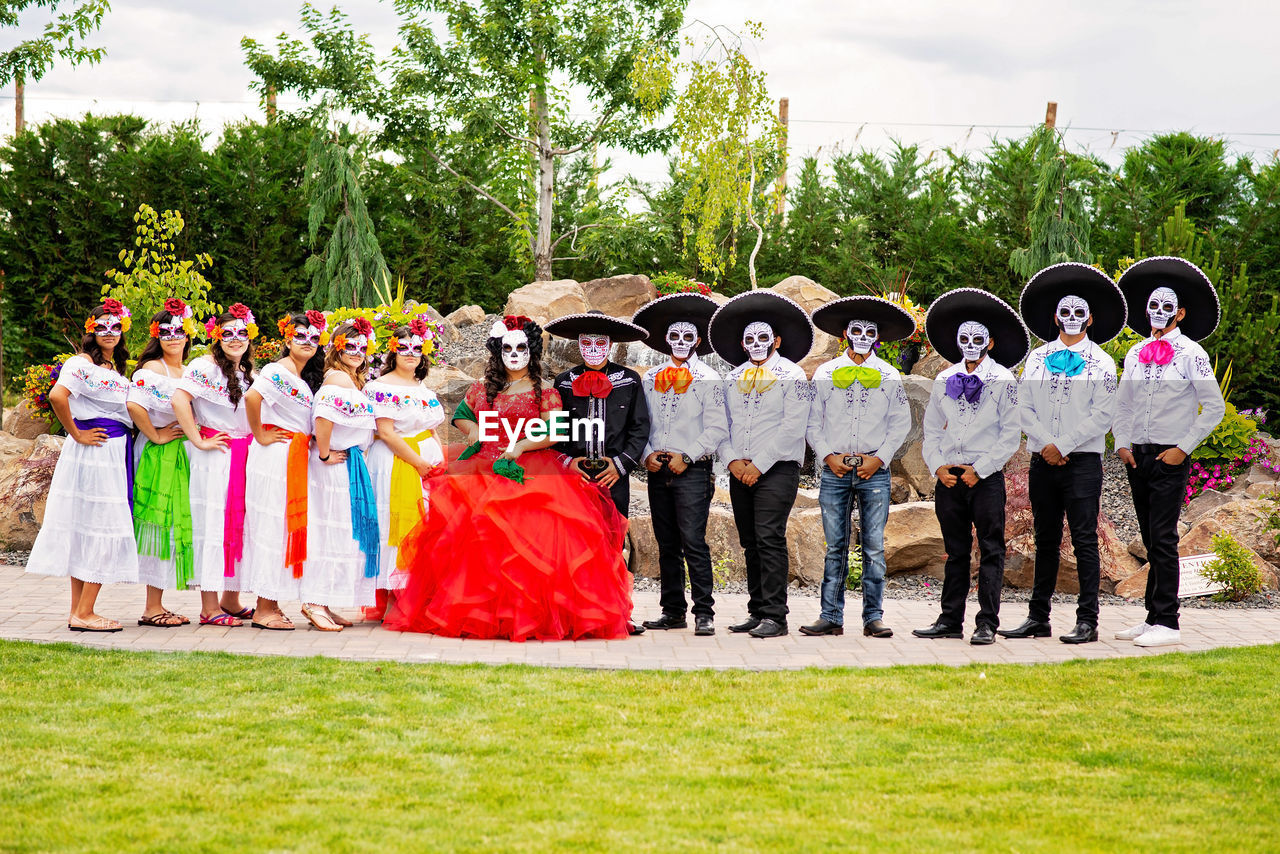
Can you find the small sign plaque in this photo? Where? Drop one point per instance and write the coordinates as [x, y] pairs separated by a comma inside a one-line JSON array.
[[1190, 581]]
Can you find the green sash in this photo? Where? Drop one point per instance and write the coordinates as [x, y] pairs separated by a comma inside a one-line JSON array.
[[162, 507]]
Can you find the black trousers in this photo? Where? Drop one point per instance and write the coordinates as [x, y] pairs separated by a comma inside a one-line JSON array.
[[1158, 489], [1073, 490], [961, 510], [620, 492], [760, 514], [680, 505]]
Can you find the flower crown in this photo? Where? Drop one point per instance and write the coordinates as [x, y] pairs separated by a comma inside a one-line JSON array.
[[238, 311], [113, 307], [510, 323]]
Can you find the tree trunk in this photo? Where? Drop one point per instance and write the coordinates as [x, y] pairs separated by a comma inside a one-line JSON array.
[[546, 188]]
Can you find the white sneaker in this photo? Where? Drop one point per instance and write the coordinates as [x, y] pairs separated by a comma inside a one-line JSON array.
[[1158, 636], [1131, 634]]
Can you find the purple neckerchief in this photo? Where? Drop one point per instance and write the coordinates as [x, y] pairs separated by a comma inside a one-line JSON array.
[[969, 385], [114, 431]]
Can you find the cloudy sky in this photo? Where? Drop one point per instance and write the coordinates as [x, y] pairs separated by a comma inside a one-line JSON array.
[[857, 73]]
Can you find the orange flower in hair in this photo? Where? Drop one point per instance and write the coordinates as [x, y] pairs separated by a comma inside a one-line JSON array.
[[285, 325], [339, 341], [89, 326], [154, 329]]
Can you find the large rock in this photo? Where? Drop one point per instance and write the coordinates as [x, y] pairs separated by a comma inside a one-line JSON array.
[[619, 296], [468, 315], [1117, 564], [24, 485], [930, 366], [1199, 541], [23, 423], [911, 467], [900, 492], [544, 301], [811, 295], [912, 539], [448, 331], [1248, 522], [917, 390], [450, 386], [1206, 502]]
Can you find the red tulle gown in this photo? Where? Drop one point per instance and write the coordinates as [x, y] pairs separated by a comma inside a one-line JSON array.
[[499, 559]]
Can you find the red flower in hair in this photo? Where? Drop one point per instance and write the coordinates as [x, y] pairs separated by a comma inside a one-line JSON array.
[[113, 306], [515, 321], [362, 326], [419, 327], [175, 306], [240, 311], [317, 320]]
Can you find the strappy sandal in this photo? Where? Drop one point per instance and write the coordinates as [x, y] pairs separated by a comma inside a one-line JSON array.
[[277, 622], [245, 613], [338, 618], [163, 620], [314, 617], [224, 619], [97, 624], [185, 620]]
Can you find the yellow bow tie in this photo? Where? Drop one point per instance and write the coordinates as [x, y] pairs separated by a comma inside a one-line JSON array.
[[673, 379], [756, 379]]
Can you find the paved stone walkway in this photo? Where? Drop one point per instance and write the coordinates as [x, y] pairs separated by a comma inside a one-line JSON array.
[[33, 608]]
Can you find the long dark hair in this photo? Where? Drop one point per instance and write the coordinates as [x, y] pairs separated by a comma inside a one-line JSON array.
[[495, 373], [332, 359], [220, 358], [313, 371], [89, 347], [153, 350], [389, 358]]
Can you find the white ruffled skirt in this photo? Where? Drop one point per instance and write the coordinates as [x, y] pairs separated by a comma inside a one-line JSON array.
[[334, 573], [381, 459], [210, 475], [266, 497], [153, 571], [88, 525]]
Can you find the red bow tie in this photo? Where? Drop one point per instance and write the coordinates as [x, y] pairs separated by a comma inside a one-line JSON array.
[[592, 384]]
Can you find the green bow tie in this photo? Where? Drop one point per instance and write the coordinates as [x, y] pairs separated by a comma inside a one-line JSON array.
[[849, 374]]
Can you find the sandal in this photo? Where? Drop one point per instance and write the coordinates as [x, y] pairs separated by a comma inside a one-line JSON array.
[[185, 621], [277, 622], [223, 619], [163, 620], [245, 613], [96, 624], [338, 618], [314, 616]]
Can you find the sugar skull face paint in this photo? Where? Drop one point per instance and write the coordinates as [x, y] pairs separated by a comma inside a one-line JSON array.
[[757, 340], [682, 338], [108, 325], [355, 345], [861, 335], [235, 332], [1072, 314], [594, 349], [409, 347], [1162, 307], [515, 350], [972, 338], [307, 336], [171, 331]]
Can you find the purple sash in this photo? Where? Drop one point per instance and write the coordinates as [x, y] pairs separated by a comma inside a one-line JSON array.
[[114, 431]]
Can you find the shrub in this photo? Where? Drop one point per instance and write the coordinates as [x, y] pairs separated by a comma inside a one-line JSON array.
[[673, 283], [1233, 568], [1230, 439]]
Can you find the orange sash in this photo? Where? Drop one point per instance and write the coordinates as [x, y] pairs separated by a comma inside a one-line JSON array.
[[295, 546]]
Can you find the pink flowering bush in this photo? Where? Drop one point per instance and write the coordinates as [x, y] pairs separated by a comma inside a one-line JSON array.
[[1221, 474]]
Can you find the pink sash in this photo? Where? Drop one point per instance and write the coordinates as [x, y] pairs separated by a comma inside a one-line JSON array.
[[233, 515]]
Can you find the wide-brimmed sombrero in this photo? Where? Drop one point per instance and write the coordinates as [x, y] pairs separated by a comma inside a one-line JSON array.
[[1195, 293], [656, 316], [893, 321], [596, 323], [949, 311], [1040, 298], [790, 322]]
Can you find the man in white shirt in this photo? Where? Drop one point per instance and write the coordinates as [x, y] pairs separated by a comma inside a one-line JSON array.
[[859, 418], [687, 424], [1169, 402], [1067, 400], [768, 396], [971, 429]]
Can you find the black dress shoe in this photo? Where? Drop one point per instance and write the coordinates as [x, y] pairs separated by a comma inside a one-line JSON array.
[[1029, 629], [939, 630], [822, 627], [982, 636], [666, 621], [746, 625], [877, 629], [703, 626], [634, 629], [769, 629], [1082, 633]]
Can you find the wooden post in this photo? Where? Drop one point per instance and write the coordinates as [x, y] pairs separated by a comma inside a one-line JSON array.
[[784, 110], [271, 102], [1051, 114], [18, 118]]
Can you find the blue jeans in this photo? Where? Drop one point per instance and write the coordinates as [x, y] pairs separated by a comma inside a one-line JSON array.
[[836, 497]]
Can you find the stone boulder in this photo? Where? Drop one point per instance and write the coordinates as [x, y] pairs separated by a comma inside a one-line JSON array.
[[1206, 502], [1248, 522], [811, 295], [900, 491], [1118, 565], [450, 386], [806, 546], [912, 539], [930, 366], [23, 423], [468, 315], [1199, 541], [449, 333], [24, 485], [544, 301], [619, 296]]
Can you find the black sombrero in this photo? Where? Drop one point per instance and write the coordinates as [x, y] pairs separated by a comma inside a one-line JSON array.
[[1195, 293], [596, 323], [1040, 298], [790, 322], [963, 304], [656, 316], [894, 321]]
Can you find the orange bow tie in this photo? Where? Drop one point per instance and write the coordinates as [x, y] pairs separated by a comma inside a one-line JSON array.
[[670, 378]]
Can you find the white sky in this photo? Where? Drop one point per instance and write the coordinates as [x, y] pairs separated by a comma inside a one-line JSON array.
[[857, 73]]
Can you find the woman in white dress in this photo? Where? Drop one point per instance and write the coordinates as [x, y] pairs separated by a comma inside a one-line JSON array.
[[408, 451], [87, 533], [279, 408], [162, 475], [209, 405], [342, 514]]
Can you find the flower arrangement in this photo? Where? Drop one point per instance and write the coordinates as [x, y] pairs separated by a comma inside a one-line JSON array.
[[668, 283], [387, 318], [37, 382], [891, 351]]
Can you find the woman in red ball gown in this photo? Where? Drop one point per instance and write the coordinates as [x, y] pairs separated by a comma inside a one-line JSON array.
[[530, 552]]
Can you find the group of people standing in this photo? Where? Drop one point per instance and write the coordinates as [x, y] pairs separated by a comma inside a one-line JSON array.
[[307, 481]]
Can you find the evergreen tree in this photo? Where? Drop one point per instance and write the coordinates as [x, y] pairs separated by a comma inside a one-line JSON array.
[[1059, 217]]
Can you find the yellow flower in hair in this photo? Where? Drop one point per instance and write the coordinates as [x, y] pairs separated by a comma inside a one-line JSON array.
[[372, 346], [324, 339], [188, 326], [125, 323], [253, 330], [428, 347]]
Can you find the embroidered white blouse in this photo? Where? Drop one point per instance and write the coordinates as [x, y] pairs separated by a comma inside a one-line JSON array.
[[96, 392]]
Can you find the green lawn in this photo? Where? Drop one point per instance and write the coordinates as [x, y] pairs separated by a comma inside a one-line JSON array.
[[205, 752]]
